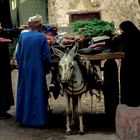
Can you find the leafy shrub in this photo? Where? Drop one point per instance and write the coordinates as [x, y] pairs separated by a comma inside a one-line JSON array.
[[93, 28]]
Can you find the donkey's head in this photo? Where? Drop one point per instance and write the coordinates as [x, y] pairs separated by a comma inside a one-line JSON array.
[[66, 63]]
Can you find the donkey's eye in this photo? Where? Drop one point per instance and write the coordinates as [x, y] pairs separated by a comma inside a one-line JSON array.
[[71, 66], [60, 68]]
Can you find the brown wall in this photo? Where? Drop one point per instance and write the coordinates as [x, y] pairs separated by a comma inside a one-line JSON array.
[[111, 10]]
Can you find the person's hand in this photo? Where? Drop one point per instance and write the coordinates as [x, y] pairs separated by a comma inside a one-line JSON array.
[[118, 32], [23, 27], [1, 27], [83, 58]]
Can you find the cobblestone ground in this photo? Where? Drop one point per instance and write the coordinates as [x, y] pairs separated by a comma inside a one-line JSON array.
[[95, 122]]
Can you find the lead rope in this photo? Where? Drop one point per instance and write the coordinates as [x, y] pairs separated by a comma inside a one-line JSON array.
[[91, 100], [73, 113]]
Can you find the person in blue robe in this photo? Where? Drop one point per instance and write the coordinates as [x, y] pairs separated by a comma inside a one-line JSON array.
[[34, 59]]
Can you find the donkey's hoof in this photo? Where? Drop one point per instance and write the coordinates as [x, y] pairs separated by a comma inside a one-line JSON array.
[[81, 132], [68, 132], [72, 123]]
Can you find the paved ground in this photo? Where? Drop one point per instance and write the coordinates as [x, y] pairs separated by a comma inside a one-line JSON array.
[[95, 121]]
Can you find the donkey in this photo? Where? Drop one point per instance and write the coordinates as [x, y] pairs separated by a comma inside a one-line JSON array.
[[73, 85]]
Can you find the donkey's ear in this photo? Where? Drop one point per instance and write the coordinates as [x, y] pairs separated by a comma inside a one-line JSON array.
[[74, 50], [58, 52]]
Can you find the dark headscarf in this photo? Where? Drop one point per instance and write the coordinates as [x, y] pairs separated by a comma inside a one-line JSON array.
[[130, 36], [129, 28], [47, 28]]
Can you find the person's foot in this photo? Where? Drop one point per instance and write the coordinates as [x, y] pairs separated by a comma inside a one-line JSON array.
[[5, 115]]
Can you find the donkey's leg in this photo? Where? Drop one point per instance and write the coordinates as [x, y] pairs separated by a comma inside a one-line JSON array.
[[74, 109], [80, 114], [68, 130]]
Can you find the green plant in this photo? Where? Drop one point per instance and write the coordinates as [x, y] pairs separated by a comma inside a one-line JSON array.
[[93, 28]]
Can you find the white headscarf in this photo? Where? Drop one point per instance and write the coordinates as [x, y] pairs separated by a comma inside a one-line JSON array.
[[34, 21]]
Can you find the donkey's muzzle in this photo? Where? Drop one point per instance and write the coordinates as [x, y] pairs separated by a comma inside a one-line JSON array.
[[65, 83]]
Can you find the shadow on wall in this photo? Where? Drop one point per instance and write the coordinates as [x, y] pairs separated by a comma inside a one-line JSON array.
[[139, 2]]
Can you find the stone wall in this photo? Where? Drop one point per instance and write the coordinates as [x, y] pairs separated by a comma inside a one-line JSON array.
[[58, 11], [120, 10], [111, 10]]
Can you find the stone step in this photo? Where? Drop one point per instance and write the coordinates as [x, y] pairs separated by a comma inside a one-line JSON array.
[[128, 122]]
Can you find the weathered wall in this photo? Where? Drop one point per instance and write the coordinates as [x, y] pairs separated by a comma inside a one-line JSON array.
[[58, 11], [111, 10], [21, 10], [119, 10]]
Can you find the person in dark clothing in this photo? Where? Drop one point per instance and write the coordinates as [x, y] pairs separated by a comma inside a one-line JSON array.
[[6, 93], [129, 40]]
